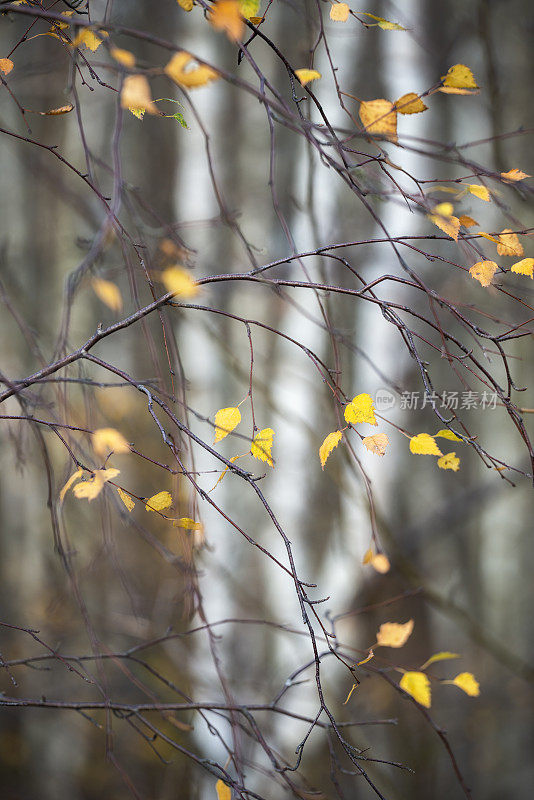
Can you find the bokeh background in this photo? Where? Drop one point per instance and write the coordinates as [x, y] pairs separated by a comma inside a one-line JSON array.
[[106, 582]]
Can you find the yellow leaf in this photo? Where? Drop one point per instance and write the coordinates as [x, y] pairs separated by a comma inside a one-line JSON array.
[[377, 443], [515, 175], [249, 8], [256, 20], [524, 267], [410, 103], [447, 434], [379, 116], [187, 5], [6, 65], [380, 563], [330, 442], [56, 112], [479, 191], [339, 12], [89, 39], [483, 272], [73, 478], [183, 70], [394, 634], [467, 221], [187, 523], [124, 57], [223, 791], [385, 24], [108, 292], [468, 683], [449, 461], [488, 237], [90, 489], [159, 502], [126, 499], [225, 470], [226, 419], [180, 282], [307, 75], [225, 16], [360, 409], [509, 244], [459, 77], [445, 656], [417, 685], [262, 445], [367, 556], [109, 440], [443, 218], [424, 445], [135, 94]]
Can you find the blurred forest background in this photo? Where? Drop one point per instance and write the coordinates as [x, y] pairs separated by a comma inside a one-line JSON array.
[[125, 590]]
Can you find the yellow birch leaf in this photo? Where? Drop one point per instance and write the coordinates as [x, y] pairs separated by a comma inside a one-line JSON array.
[[249, 8], [124, 57], [379, 116], [256, 20], [73, 478], [226, 419], [479, 191], [128, 501], [377, 443], [394, 634], [515, 175], [483, 272], [509, 244], [424, 445], [467, 221], [307, 75], [187, 524], [187, 5], [459, 77], [135, 95], [444, 656], [90, 489], [368, 555], [6, 65], [330, 442], [445, 221], [109, 440], [223, 791], [262, 445], [380, 563], [339, 12], [225, 16], [183, 70], [385, 24], [417, 685], [360, 409], [225, 470], [447, 434], [89, 39], [524, 267], [488, 237], [449, 461], [108, 292], [57, 112], [180, 282], [159, 502], [467, 682], [410, 103]]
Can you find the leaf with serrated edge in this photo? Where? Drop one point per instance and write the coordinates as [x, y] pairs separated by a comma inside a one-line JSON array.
[[424, 445], [159, 501], [226, 419], [330, 442]]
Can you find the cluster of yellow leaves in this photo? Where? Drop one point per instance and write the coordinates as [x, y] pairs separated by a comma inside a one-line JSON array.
[[360, 409], [6, 65], [184, 71], [108, 292], [180, 282], [415, 682], [423, 444], [379, 561], [226, 420], [508, 244], [307, 75]]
